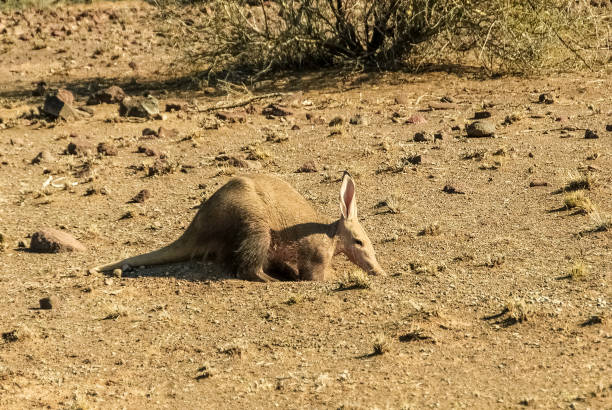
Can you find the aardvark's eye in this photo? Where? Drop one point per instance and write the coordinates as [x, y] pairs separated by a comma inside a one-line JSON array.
[[358, 242]]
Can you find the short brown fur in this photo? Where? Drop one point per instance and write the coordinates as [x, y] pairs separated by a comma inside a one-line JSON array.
[[264, 230]]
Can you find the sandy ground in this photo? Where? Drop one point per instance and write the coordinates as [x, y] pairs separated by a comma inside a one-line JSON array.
[[480, 311]]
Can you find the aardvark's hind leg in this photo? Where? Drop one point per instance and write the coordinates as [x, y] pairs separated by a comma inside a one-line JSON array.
[[252, 252]]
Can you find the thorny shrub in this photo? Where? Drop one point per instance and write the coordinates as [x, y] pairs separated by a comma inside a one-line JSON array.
[[257, 36]]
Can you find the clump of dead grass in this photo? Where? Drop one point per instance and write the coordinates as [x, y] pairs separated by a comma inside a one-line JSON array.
[[517, 311], [355, 279], [432, 229], [577, 200], [602, 222], [493, 260], [578, 271], [235, 348], [381, 345]]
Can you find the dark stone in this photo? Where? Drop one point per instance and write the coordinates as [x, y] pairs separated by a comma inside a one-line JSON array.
[[79, 147], [57, 108], [107, 149], [590, 134], [110, 95], [141, 196], [273, 111]]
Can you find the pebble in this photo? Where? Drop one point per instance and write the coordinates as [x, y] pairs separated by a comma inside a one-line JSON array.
[[107, 149], [590, 134], [416, 119], [482, 114], [481, 128], [48, 302], [423, 136], [79, 147], [51, 240], [309, 166], [546, 98]]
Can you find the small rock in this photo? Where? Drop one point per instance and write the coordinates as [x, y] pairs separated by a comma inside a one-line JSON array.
[[48, 302], [142, 107], [79, 147], [309, 166], [273, 111], [162, 166], [163, 132], [43, 156], [590, 134], [170, 107], [336, 121], [479, 115], [478, 129], [57, 108], [416, 119], [609, 127], [110, 95], [538, 183], [449, 189], [107, 149], [447, 99], [243, 163], [149, 152], [117, 273], [441, 106], [51, 240], [438, 136], [295, 127], [142, 196], [149, 132], [546, 98], [423, 136], [230, 117]]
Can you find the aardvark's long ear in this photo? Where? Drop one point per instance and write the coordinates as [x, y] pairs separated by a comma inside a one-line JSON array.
[[348, 202]]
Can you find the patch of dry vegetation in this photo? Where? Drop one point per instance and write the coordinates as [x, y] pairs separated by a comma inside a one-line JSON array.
[[578, 201], [510, 36], [578, 271], [355, 279], [382, 345]]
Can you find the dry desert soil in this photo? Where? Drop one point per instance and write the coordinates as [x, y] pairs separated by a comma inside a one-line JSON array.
[[497, 293]]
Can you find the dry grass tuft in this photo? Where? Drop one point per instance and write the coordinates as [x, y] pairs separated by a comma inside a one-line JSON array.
[[578, 271], [603, 222], [294, 299], [517, 310], [432, 229], [578, 201], [382, 345], [355, 279], [236, 348], [495, 260]]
